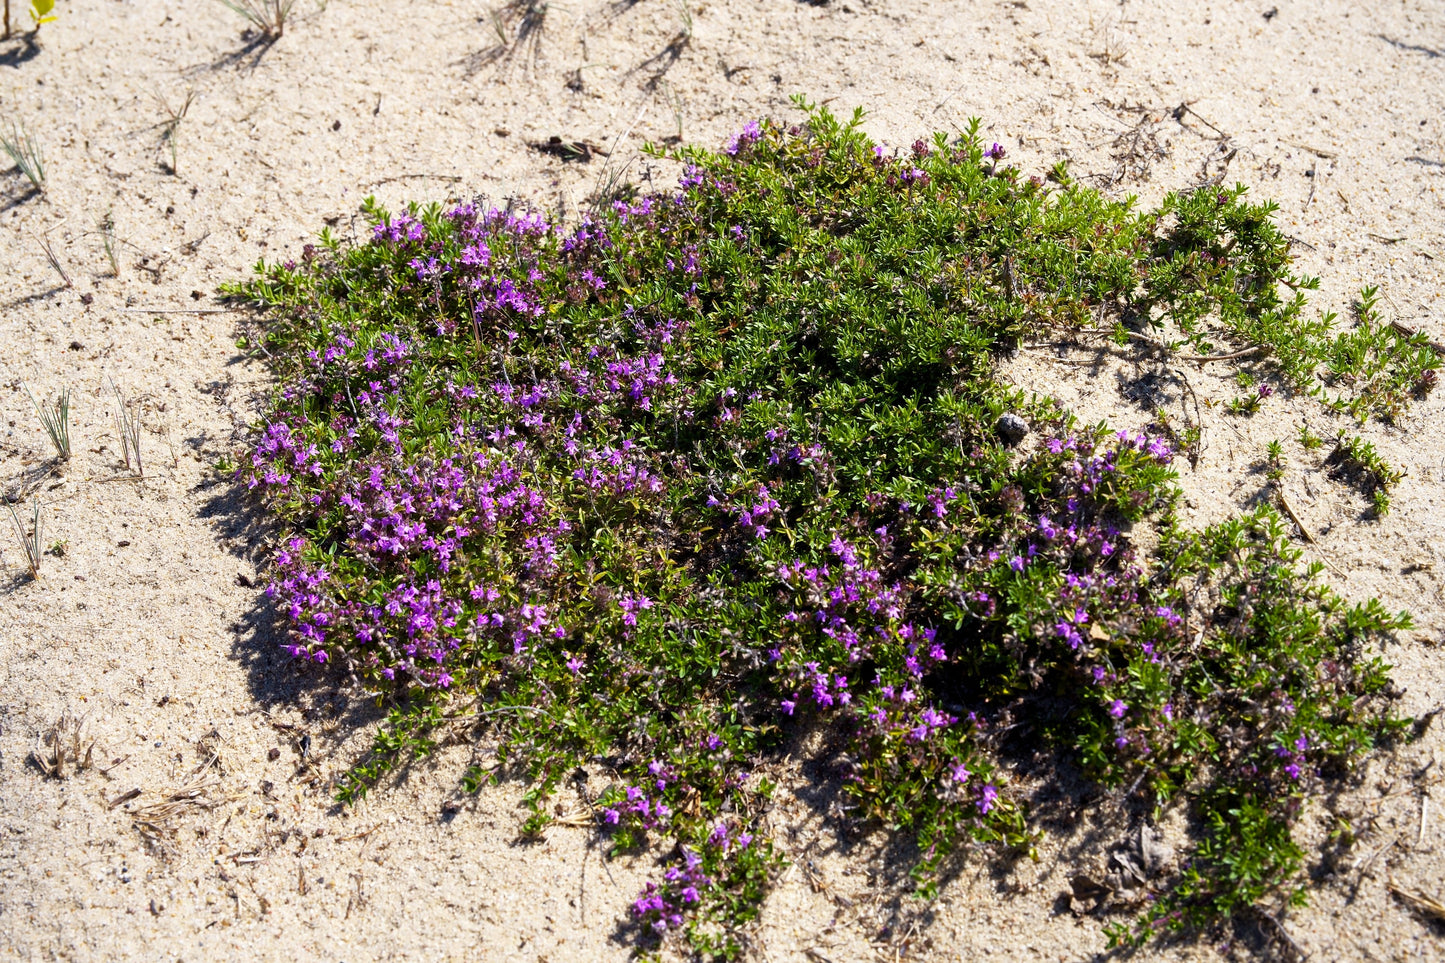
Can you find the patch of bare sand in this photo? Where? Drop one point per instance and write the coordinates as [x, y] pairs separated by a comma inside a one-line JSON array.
[[150, 626]]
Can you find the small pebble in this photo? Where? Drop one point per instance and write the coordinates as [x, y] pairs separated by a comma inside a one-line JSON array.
[[1012, 428]]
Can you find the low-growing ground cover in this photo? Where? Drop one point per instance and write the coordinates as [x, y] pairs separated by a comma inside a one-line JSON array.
[[653, 493]]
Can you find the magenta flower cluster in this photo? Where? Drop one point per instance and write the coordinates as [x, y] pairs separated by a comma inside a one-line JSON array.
[[659, 490]]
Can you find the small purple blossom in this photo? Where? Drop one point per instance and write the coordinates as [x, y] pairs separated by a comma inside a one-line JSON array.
[[749, 135]]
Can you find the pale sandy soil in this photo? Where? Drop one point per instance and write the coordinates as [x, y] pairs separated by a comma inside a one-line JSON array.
[[150, 627]]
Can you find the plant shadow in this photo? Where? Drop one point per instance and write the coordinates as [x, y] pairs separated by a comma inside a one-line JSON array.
[[19, 50], [1430, 52], [883, 859], [329, 707], [22, 191], [657, 66], [254, 47], [529, 18]]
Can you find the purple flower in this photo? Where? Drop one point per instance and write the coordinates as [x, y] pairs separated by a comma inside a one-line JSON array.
[[1117, 708], [692, 177], [631, 605], [750, 134], [987, 798]]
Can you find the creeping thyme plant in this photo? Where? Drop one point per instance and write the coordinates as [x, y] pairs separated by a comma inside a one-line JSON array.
[[656, 492]]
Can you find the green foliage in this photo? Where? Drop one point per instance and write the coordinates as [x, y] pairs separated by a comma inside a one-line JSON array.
[[646, 498], [1291, 675], [1308, 440], [1379, 365], [1357, 459], [1274, 461], [40, 12], [1216, 268], [406, 736]]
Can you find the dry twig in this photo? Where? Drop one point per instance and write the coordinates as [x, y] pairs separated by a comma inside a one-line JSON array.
[[1202, 358], [1296, 950], [1420, 902]]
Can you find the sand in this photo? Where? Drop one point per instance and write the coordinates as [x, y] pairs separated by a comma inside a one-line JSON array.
[[151, 629]]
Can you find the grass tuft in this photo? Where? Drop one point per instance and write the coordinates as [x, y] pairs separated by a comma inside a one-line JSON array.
[[56, 419], [128, 430], [519, 25], [674, 102], [29, 544], [54, 259], [65, 743], [24, 151], [650, 495], [111, 243], [170, 127], [267, 16]]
